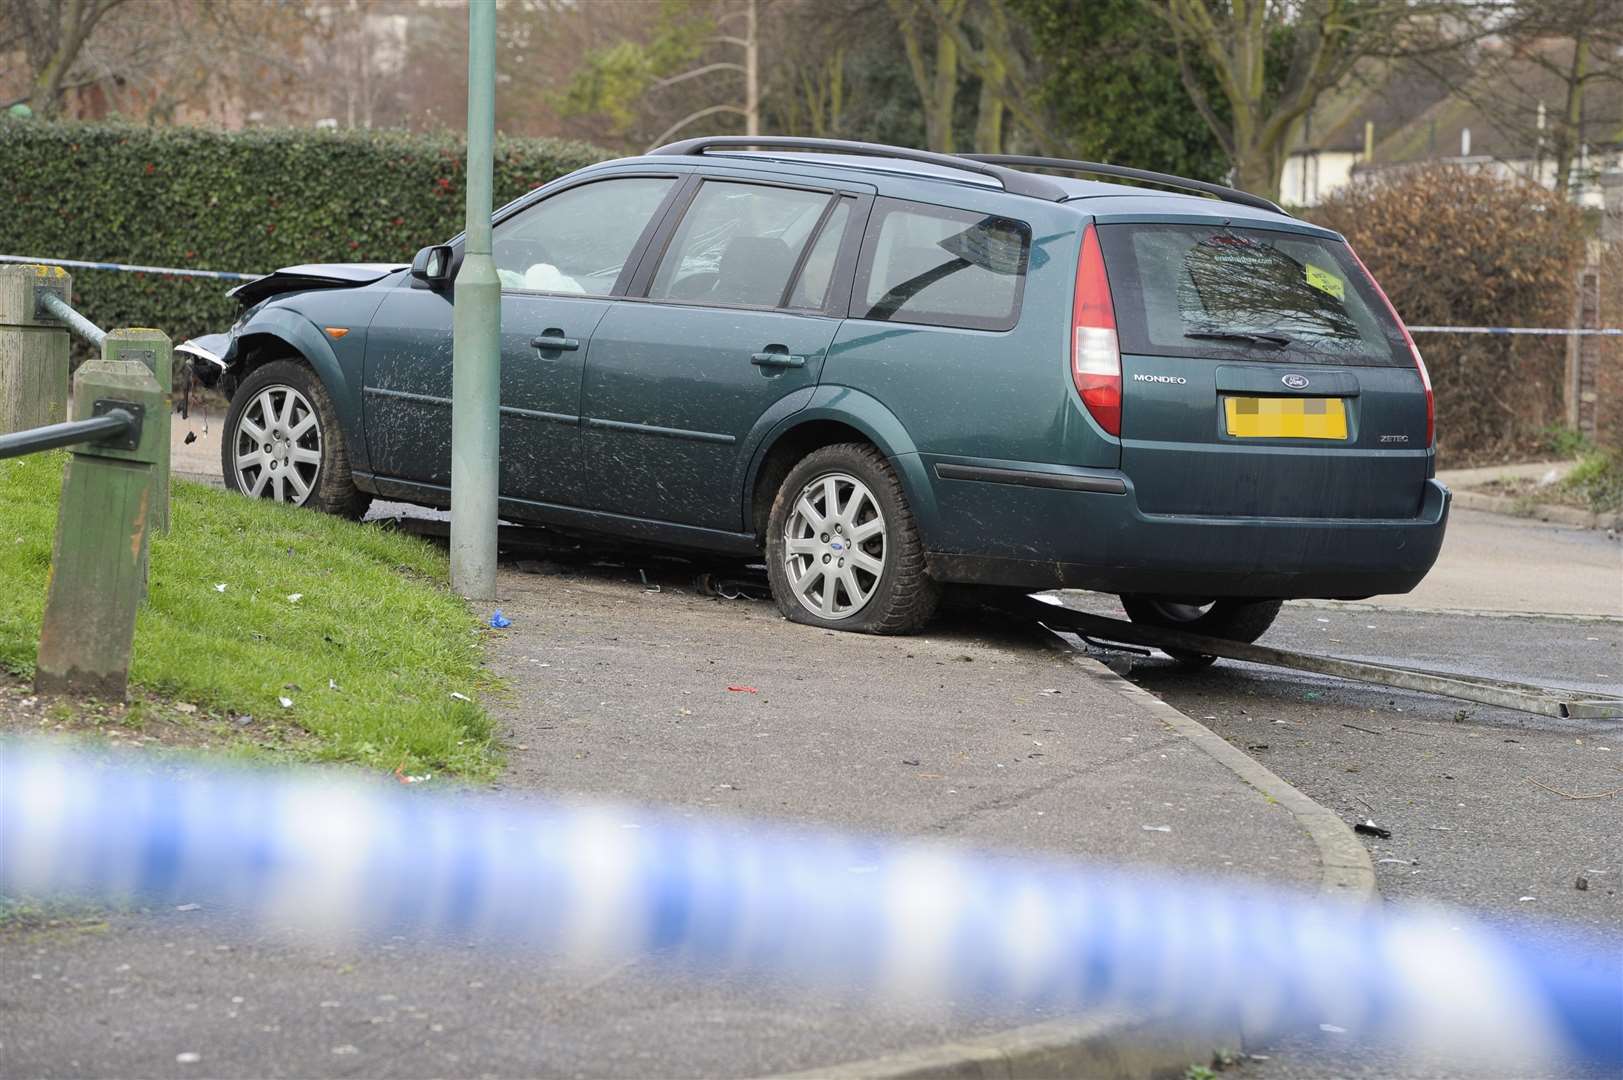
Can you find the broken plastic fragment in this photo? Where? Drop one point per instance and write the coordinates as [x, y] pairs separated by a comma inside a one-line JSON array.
[[460, 697], [743, 689], [294, 598], [219, 586], [285, 702]]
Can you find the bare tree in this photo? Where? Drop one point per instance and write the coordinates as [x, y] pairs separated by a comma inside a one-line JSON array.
[[701, 58], [1273, 59], [978, 40], [1565, 50], [935, 73], [51, 35]]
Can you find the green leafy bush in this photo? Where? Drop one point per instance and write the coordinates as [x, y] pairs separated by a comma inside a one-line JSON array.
[[247, 201]]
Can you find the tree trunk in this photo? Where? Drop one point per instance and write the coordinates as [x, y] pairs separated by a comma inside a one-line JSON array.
[[752, 78], [1569, 132], [989, 119], [943, 95], [1257, 167]]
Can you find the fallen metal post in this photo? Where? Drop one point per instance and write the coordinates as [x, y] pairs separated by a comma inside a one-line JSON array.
[[1523, 697], [58, 308]]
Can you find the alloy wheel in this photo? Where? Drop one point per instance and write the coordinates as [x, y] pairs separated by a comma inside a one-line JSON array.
[[834, 546], [277, 451]]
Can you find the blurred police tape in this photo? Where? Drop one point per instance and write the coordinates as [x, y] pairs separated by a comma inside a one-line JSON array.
[[1535, 331], [329, 858], [128, 268]]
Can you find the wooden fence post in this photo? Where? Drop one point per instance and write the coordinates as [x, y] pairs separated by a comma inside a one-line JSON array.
[[33, 351], [1583, 355], [98, 567], [150, 347]]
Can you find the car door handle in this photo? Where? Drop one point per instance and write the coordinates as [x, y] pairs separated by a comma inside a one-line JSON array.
[[777, 359], [554, 341]]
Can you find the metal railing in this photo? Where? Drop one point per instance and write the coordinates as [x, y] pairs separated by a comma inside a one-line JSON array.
[[113, 423], [54, 305]]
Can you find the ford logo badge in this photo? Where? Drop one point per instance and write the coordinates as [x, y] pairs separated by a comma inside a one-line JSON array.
[[1294, 381]]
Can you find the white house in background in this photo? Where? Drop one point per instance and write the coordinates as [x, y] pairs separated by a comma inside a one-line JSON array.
[[1338, 134], [1499, 120]]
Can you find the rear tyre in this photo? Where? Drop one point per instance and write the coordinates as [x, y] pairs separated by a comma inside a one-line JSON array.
[[283, 442], [842, 549], [1236, 620]]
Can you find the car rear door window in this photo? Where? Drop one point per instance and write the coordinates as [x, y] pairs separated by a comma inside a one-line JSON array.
[[739, 244], [817, 272], [1196, 290], [577, 241], [941, 267]]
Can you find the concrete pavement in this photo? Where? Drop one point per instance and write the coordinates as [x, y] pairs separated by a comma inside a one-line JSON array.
[[618, 691], [1497, 563]]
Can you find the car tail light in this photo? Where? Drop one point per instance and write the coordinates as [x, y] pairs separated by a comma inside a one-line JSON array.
[[1414, 350], [1095, 354]]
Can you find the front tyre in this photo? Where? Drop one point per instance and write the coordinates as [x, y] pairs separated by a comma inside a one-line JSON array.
[[1236, 620], [842, 549], [283, 442]]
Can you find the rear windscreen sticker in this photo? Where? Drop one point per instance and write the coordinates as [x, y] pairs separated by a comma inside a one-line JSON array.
[[1325, 281]]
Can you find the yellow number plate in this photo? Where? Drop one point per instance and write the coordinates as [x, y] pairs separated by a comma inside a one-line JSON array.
[[1286, 417]]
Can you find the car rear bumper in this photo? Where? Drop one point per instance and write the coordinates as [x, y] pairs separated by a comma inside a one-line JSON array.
[[1060, 537]]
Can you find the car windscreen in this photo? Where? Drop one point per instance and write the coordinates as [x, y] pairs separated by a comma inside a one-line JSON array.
[[1227, 293]]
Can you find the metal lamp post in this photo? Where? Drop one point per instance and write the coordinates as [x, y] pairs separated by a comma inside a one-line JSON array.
[[476, 338]]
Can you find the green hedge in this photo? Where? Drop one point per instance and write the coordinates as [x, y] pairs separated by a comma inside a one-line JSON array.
[[247, 201]]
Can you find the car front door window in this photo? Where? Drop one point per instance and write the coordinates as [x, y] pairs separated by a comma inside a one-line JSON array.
[[577, 241]]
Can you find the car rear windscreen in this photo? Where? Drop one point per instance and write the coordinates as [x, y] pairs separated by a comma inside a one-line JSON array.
[[1256, 294]]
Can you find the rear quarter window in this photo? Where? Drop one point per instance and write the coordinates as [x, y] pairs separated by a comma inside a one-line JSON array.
[[1179, 289], [941, 267]]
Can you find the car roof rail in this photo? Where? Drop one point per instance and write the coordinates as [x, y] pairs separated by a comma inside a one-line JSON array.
[[1011, 180], [1227, 194]]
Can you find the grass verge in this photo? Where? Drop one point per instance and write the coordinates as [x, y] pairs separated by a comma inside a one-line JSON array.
[[1597, 480], [369, 653]]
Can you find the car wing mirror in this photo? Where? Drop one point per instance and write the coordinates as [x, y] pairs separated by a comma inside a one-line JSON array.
[[433, 265]]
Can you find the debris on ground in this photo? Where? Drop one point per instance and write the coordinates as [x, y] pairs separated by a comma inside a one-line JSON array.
[[400, 775], [1369, 828], [743, 689], [498, 621], [1156, 828], [727, 588], [1582, 884]]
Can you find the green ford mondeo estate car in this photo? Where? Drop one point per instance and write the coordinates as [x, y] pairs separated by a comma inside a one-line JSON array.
[[886, 372]]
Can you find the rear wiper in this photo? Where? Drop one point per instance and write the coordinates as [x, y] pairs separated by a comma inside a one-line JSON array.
[[1255, 337]]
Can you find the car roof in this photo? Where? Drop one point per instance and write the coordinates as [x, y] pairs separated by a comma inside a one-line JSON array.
[[1097, 197]]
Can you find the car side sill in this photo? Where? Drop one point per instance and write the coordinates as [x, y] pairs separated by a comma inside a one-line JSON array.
[[524, 511], [1025, 478]]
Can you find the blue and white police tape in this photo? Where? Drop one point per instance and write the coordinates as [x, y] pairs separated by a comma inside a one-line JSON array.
[[324, 856], [178, 271], [1534, 331]]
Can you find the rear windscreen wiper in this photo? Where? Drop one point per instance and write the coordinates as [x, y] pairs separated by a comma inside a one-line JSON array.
[[1256, 337]]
